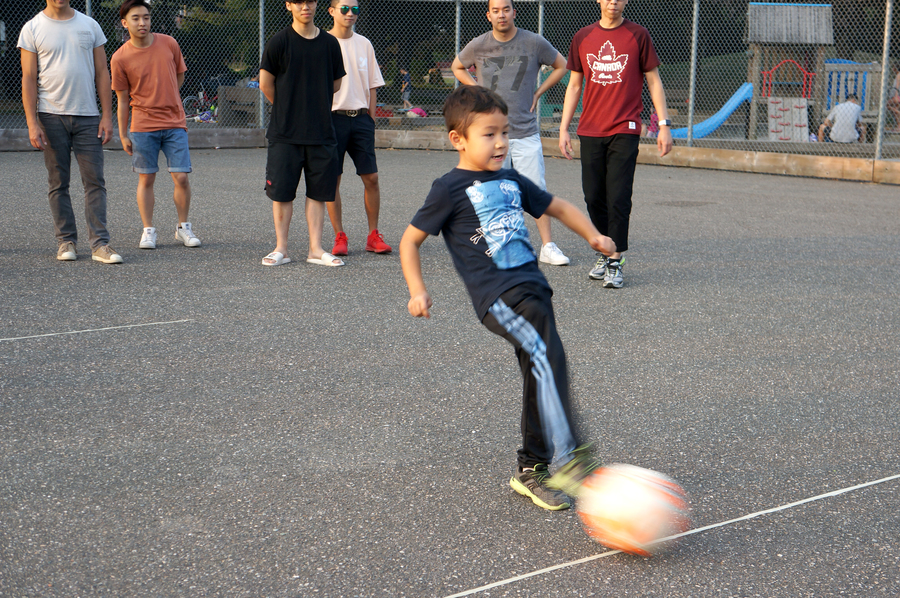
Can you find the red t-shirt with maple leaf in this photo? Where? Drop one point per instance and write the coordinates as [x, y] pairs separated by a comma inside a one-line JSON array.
[[613, 62]]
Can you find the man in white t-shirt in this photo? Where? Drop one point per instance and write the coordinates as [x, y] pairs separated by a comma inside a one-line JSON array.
[[352, 113], [843, 124], [507, 60], [63, 71]]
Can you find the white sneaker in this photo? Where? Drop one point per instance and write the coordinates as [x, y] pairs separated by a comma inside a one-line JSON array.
[[550, 254], [184, 234], [148, 238]]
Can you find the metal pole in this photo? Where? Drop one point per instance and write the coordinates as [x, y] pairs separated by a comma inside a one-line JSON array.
[[540, 31], [87, 7], [261, 104], [693, 92], [458, 34], [885, 77]]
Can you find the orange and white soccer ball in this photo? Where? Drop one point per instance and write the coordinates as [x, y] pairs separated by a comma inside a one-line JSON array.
[[632, 509]]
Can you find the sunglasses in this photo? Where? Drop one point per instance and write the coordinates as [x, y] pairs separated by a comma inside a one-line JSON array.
[[346, 9]]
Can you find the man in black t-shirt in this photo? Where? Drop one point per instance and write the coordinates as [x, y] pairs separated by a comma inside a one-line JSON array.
[[301, 69]]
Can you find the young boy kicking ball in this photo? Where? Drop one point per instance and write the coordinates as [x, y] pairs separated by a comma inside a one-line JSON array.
[[147, 72], [479, 208]]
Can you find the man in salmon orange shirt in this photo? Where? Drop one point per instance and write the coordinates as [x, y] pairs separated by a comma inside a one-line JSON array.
[[150, 69]]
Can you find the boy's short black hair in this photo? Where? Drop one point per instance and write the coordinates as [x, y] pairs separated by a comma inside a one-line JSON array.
[[852, 96], [129, 4], [468, 101]]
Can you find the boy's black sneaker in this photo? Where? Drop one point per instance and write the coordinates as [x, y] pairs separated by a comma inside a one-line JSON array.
[[530, 482], [570, 476]]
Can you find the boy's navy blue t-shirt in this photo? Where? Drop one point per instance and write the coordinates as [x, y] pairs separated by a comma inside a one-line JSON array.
[[482, 218]]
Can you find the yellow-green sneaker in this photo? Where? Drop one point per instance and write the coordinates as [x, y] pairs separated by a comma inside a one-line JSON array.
[[570, 476], [529, 481]]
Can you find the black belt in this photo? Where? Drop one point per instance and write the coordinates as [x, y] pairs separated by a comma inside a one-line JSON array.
[[352, 113]]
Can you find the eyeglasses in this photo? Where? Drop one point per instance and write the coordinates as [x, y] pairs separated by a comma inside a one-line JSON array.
[[346, 9]]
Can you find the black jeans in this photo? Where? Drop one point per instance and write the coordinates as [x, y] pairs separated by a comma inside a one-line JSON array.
[[607, 179], [523, 316]]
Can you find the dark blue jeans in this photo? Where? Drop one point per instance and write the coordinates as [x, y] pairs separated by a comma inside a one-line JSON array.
[[78, 134]]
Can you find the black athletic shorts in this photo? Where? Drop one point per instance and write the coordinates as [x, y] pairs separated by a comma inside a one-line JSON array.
[[285, 162], [355, 136]]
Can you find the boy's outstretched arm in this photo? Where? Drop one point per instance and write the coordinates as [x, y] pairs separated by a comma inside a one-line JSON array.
[[578, 222], [420, 301]]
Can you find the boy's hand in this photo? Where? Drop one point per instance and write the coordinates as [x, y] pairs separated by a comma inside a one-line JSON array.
[[126, 145], [419, 305], [603, 244]]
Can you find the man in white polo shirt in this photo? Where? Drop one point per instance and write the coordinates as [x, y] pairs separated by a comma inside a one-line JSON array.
[[352, 110]]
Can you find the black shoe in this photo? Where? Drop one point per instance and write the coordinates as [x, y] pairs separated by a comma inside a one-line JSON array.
[[529, 481]]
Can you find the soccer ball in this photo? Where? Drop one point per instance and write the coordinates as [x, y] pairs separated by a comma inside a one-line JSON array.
[[631, 509]]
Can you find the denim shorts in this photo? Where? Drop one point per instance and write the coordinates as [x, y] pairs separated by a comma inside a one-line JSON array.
[[173, 143]]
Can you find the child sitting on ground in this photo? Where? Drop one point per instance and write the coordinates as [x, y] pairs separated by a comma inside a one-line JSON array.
[[479, 208]]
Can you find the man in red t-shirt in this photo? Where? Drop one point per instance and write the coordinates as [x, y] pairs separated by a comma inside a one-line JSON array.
[[618, 55]]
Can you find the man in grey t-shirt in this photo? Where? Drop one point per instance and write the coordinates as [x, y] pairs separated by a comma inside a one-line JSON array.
[[507, 60]]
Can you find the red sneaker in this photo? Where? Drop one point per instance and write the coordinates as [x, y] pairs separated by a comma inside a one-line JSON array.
[[375, 242], [340, 244]]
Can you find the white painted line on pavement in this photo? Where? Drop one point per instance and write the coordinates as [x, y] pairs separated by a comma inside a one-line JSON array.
[[687, 533], [19, 338]]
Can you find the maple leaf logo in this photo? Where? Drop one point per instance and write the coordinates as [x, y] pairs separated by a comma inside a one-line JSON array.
[[606, 67]]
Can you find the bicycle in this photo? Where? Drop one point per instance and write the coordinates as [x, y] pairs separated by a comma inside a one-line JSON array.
[[203, 101]]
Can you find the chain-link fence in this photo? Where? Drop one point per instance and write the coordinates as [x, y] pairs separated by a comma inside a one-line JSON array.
[[738, 74]]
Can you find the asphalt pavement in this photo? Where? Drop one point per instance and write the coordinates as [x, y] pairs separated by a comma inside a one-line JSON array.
[[191, 423]]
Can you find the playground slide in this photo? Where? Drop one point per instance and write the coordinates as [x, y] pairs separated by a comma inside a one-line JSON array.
[[702, 129]]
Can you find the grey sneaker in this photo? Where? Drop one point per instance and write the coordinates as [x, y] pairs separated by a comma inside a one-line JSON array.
[[570, 476], [148, 238], [598, 272], [106, 254], [553, 255], [529, 481], [184, 234], [66, 252], [614, 278]]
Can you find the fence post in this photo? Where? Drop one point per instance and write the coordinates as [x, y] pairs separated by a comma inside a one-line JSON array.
[[458, 34], [87, 7], [261, 104], [885, 77], [693, 89]]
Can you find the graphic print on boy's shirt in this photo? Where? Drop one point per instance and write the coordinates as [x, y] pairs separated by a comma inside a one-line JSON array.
[[498, 205]]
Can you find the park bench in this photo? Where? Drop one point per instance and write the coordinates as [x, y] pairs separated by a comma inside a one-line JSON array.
[[239, 106]]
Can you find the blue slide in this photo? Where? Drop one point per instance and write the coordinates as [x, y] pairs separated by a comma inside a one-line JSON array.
[[701, 130]]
